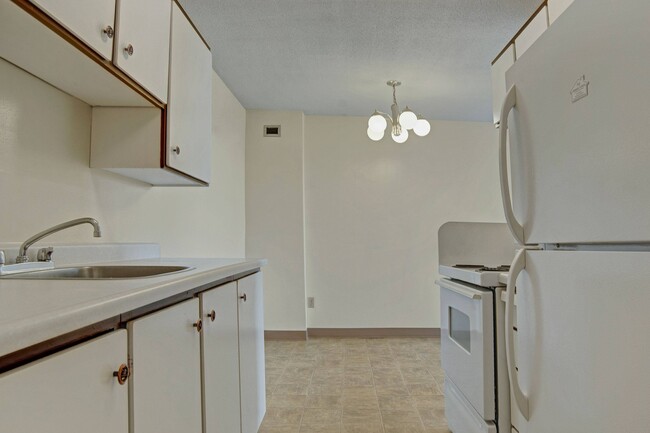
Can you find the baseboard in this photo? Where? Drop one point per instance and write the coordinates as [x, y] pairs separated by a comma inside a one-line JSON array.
[[373, 332], [285, 335]]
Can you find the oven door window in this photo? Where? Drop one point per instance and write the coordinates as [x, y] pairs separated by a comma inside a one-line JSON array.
[[459, 329]]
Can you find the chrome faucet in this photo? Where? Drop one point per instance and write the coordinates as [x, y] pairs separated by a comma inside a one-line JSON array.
[[22, 252]]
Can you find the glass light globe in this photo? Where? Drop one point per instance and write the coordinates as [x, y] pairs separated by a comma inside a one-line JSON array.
[[402, 137], [375, 135], [408, 119], [377, 122], [422, 127]]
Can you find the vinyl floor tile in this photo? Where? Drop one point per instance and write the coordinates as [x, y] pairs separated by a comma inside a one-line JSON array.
[[334, 385]]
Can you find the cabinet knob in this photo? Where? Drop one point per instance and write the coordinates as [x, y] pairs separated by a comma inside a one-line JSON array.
[[176, 150], [129, 49], [109, 32], [243, 297], [212, 315], [122, 374], [198, 325]]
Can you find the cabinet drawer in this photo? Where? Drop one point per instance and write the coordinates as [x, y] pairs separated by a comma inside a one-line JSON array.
[[73, 391]]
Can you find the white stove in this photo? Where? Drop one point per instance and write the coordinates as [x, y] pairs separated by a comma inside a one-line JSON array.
[[480, 275], [472, 316]]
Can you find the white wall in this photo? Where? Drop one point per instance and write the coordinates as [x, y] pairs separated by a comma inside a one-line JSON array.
[[45, 177], [372, 212], [274, 214]]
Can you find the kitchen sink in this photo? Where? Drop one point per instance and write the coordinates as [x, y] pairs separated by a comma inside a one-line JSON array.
[[115, 272]]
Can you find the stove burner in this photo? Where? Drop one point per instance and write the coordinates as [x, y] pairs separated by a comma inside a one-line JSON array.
[[502, 268]]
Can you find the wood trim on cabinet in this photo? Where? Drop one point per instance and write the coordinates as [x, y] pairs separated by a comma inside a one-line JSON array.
[[512, 41], [56, 344], [192, 24], [62, 342], [73, 40]]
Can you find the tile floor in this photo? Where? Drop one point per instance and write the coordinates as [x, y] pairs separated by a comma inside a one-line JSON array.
[[384, 385]]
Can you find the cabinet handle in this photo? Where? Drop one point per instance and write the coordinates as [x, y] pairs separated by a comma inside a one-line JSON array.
[[122, 374], [198, 325], [109, 32], [129, 49], [243, 297], [176, 150], [212, 315]]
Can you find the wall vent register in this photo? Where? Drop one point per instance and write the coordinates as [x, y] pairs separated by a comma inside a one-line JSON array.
[[272, 130]]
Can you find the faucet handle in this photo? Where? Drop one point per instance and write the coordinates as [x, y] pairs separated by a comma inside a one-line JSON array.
[[45, 254]]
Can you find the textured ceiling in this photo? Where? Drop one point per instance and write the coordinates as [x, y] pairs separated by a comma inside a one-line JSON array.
[[333, 57]]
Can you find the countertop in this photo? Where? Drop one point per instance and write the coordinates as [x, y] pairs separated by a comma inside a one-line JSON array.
[[33, 311]]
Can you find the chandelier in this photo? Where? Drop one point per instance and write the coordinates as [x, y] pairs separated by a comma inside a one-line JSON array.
[[401, 122]]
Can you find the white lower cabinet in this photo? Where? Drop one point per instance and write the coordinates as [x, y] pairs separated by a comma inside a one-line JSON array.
[[251, 352], [73, 391], [193, 367], [220, 360], [165, 386]]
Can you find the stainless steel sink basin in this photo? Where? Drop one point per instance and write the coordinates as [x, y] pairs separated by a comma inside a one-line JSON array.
[[98, 272]]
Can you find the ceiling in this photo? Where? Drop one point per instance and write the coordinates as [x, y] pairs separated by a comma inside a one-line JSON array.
[[333, 57]]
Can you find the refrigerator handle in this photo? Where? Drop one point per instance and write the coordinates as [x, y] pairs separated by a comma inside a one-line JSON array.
[[518, 265], [514, 226]]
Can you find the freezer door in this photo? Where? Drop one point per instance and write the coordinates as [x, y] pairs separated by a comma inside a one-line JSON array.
[[579, 131], [583, 350]]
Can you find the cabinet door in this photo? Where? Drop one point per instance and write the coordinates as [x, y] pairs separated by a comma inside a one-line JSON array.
[[220, 360], [73, 391], [556, 8], [499, 68], [142, 43], [165, 386], [92, 21], [533, 30], [251, 352], [189, 113]]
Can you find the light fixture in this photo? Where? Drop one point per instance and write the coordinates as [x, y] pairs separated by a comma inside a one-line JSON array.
[[400, 122]]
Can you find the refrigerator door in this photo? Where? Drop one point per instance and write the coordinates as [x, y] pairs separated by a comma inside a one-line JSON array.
[[579, 131], [583, 349]]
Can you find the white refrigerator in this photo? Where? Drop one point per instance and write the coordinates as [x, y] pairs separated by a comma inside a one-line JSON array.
[[575, 178]]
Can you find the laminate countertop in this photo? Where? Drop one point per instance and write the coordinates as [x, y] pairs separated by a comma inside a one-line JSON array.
[[33, 311]]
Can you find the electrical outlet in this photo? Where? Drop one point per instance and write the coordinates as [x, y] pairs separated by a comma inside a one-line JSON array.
[[310, 302]]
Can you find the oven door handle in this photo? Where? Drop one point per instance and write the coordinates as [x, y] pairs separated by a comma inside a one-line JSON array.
[[459, 289], [518, 265], [508, 104]]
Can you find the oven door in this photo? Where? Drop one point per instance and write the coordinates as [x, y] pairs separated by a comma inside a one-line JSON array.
[[467, 342]]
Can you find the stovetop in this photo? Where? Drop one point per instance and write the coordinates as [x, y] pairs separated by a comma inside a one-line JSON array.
[[478, 274], [483, 268]]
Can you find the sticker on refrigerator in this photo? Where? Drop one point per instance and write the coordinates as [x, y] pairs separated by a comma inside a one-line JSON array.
[[580, 89]]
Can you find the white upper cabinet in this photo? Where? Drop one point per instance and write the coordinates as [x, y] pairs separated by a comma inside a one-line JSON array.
[[189, 110], [142, 43], [556, 8], [73, 391], [92, 21], [531, 32], [499, 68]]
